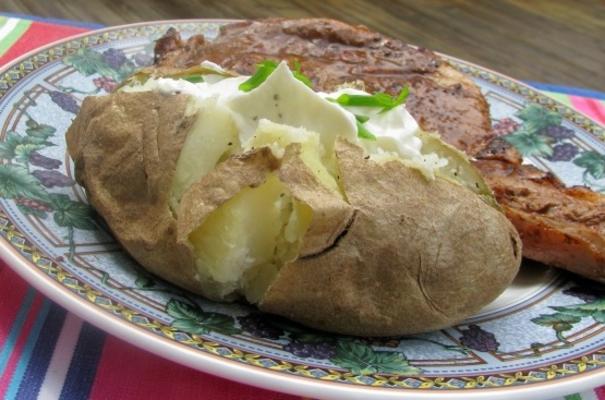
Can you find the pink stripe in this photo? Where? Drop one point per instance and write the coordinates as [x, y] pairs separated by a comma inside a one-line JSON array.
[[125, 372], [38, 34], [600, 392], [13, 290], [19, 346], [591, 107]]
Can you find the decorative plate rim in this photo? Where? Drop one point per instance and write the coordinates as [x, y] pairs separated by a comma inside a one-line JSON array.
[[264, 377]]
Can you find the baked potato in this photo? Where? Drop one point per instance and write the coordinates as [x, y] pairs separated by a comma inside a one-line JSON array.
[[276, 196]]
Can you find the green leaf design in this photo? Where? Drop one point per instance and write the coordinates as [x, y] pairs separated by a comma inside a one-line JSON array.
[[15, 181], [583, 309], [7, 148], [529, 144], [180, 310], [70, 213], [23, 151], [537, 118], [219, 323], [599, 316], [10, 148], [559, 321], [394, 363], [566, 316], [37, 130], [190, 326], [572, 311], [192, 319], [88, 62], [361, 359], [593, 162], [144, 282]]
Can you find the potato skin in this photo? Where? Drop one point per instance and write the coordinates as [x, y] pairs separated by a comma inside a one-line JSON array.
[[125, 147], [419, 255]]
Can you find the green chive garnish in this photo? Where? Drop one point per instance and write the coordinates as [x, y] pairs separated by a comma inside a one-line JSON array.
[[381, 100], [300, 76], [363, 133], [264, 69], [361, 118], [193, 78]]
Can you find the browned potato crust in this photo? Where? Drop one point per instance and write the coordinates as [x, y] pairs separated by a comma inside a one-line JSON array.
[[125, 147]]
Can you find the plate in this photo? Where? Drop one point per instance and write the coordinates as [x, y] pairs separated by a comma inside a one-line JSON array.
[[543, 337]]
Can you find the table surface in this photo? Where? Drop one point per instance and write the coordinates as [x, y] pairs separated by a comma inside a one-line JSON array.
[[555, 41]]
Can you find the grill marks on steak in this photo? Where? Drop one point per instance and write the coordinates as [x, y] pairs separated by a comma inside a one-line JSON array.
[[559, 226]]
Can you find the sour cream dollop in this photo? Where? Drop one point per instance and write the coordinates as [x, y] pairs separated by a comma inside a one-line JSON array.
[[283, 99]]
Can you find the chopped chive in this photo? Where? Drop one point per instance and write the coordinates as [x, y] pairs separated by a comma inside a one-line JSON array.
[[266, 68], [193, 78], [401, 98], [381, 100], [363, 133], [359, 100], [263, 70], [300, 76], [361, 118]]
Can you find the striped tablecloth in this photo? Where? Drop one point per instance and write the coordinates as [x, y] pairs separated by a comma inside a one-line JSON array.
[[49, 353]]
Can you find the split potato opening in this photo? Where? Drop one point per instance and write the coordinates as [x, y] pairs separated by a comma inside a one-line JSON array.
[[243, 243]]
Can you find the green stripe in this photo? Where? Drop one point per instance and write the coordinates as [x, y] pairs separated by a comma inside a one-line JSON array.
[[560, 97], [573, 397], [14, 35]]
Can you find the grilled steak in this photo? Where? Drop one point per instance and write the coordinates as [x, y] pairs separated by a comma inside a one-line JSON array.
[[563, 227]]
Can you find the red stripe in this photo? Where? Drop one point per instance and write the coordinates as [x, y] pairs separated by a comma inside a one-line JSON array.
[[126, 372], [38, 34], [20, 344], [591, 107], [12, 289], [600, 392]]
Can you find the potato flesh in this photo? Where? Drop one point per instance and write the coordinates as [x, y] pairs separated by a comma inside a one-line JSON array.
[[238, 245], [278, 136], [242, 245], [459, 169], [212, 136]]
